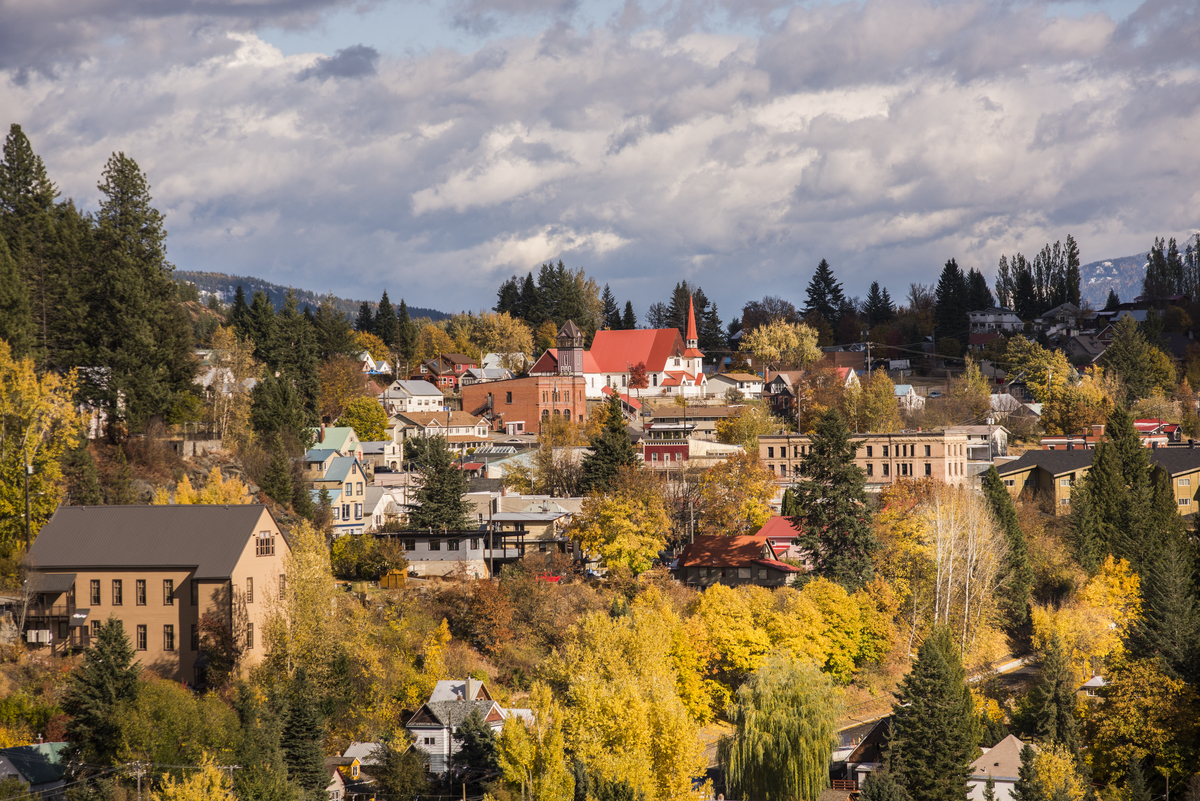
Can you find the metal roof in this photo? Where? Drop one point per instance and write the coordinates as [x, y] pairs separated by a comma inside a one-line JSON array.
[[210, 539], [1056, 462], [57, 583], [39, 764]]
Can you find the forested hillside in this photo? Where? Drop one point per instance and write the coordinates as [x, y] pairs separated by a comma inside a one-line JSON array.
[[1123, 276]]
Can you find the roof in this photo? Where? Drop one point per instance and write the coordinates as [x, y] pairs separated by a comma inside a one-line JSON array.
[[54, 583], [778, 527], [904, 389], [691, 324], [992, 310], [40, 763], [339, 468], [571, 330], [377, 446], [1094, 683], [775, 563], [363, 752], [335, 437], [738, 376], [426, 419], [451, 689], [693, 413], [1003, 761], [415, 388], [459, 358], [721, 551], [632, 402], [450, 713], [1054, 462], [319, 454], [548, 362], [1176, 460], [614, 351], [209, 538]]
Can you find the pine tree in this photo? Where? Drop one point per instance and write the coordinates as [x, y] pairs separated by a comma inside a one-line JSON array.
[[303, 736], [239, 314], [476, 760], [16, 324], [978, 294], [263, 774], [611, 314], [24, 184], [950, 307], [333, 334], [277, 408], [1169, 628], [1132, 357], [439, 502], [1018, 572], [105, 679], [387, 327], [260, 327], [1113, 300], [989, 789], [508, 298], [834, 517], [788, 507], [277, 483], [406, 333], [628, 319], [1054, 698], [825, 296], [365, 322], [1028, 787], [82, 477], [1135, 783], [611, 450], [136, 330], [934, 727], [295, 349], [882, 785], [878, 307]]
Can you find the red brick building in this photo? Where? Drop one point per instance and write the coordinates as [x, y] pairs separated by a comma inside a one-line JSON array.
[[518, 405]]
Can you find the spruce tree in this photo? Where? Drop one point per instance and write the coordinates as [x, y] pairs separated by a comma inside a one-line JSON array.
[[387, 327], [1018, 572], [277, 408], [406, 336], [16, 324], [277, 483], [882, 785], [1169, 627], [303, 736], [978, 295], [1072, 276], [833, 517], [333, 332], [878, 307], [788, 506], [82, 477], [989, 789], [1113, 300], [1135, 782], [611, 450], [365, 322], [439, 502], [477, 758], [508, 298], [263, 773], [239, 314], [295, 349], [1054, 698], [106, 679], [611, 313], [260, 327], [825, 296], [950, 304], [1028, 787], [934, 727], [629, 319], [1132, 357], [24, 185]]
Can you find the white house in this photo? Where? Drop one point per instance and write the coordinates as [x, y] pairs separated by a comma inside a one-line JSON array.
[[385, 453], [909, 400], [379, 508], [993, 320], [452, 702], [748, 384], [461, 430], [1001, 762], [411, 396]]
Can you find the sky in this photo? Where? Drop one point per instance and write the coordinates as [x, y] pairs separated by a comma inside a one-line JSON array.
[[435, 148]]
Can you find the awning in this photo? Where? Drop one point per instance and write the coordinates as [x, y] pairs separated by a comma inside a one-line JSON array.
[[54, 583], [79, 617]]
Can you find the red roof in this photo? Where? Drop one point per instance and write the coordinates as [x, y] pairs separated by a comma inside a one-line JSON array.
[[718, 551], [615, 351], [784, 566], [607, 390], [691, 329], [778, 527]]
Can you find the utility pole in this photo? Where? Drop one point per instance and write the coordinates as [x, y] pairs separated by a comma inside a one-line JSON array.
[[28, 473]]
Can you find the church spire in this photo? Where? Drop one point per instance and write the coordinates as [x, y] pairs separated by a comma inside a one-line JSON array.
[[691, 341]]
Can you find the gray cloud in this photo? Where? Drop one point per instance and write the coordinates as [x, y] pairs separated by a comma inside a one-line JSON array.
[[352, 62], [886, 136]]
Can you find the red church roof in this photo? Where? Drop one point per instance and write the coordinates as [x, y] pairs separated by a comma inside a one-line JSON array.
[[691, 331], [616, 351]]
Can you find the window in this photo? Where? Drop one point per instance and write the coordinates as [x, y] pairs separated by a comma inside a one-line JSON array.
[[770, 453], [885, 451], [140, 589], [1185, 482], [168, 592], [474, 544], [349, 488], [545, 412], [428, 741], [783, 470], [95, 628], [410, 545], [141, 638], [337, 513], [928, 469], [1064, 501], [168, 637], [282, 586], [264, 544], [95, 592], [870, 451], [1185, 501], [345, 511], [451, 545], [927, 452], [508, 397], [1010, 482], [1064, 482], [358, 511], [904, 468], [195, 586], [435, 545], [360, 488], [249, 590], [885, 468], [249, 636], [743, 572], [195, 638], [117, 594], [870, 469]]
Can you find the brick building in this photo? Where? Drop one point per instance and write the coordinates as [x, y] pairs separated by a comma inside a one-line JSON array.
[[518, 405]]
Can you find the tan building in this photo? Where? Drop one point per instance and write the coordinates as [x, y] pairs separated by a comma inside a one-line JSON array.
[[1047, 474], [158, 569], [885, 458]]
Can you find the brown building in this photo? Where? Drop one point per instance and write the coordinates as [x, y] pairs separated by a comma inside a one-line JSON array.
[[518, 405], [158, 569], [885, 458], [746, 559]]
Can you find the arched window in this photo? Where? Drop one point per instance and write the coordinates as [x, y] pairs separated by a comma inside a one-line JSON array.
[[557, 412], [545, 412]]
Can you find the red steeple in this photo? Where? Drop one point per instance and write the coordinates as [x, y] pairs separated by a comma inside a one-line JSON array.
[[692, 339]]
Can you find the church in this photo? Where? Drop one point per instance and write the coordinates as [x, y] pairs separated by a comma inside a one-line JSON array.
[[674, 364]]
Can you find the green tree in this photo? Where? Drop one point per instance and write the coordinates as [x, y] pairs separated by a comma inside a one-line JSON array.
[[15, 322], [366, 417], [137, 332], [951, 306], [878, 307], [477, 759], [1113, 300], [387, 327], [334, 334], [1054, 698], [439, 502], [611, 450], [989, 789], [1028, 787], [785, 728], [834, 518], [277, 483], [260, 328], [1169, 627], [1140, 365], [825, 296], [82, 477], [934, 725], [13, 789], [406, 337], [628, 319], [883, 786], [303, 736], [278, 409], [106, 679], [263, 774], [1135, 783], [294, 352], [611, 312], [364, 323], [978, 294], [789, 507], [1018, 571], [401, 772]]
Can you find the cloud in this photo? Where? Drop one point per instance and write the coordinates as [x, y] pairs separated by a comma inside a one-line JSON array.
[[352, 62], [886, 136]]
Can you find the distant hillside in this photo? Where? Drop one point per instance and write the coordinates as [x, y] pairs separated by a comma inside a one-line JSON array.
[[1124, 275], [225, 287]]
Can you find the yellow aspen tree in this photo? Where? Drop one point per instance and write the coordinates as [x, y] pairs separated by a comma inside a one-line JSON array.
[[185, 495]]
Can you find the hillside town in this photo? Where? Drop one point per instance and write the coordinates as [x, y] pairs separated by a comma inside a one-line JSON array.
[[828, 548]]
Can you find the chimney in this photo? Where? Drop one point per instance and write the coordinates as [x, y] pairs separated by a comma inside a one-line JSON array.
[[321, 434], [473, 687], [1070, 445], [1098, 431], [1191, 443]]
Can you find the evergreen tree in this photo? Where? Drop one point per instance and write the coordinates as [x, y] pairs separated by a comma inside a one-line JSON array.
[[989, 789], [881, 785], [950, 304], [711, 331], [1028, 787], [934, 728], [439, 502], [1113, 300], [658, 316], [629, 319], [334, 335], [1132, 357], [105, 679], [406, 336], [294, 347], [825, 296], [1018, 572], [476, 760], [24, 185], [303, 735], [978, 294], [1072, 279], [1169, 627], [1135, 782], [878, 307], [16, 324], [1054, 698], [82, 477], [136, 330], [400, 772], [263, 774], [121, 493], [302, 503], [277, 483], [834, 519], [239, 314], [611, 313], [260, 327], [508, 298], [387, 327], [533, 305], [611, 450], [789, 507], [277, 408], [365, 322]]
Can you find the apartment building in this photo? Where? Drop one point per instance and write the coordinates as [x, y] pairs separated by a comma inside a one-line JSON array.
[[158, 569], [884, 458]]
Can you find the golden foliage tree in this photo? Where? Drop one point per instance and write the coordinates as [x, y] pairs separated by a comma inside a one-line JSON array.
[[532, 754], [506, 335], [372, 344], [735, 496], [205, 784], [745, 426], [873, 406], [625, 527], [227, 396], [433, 341], [342, 381], [1074, 408], [779, 342]]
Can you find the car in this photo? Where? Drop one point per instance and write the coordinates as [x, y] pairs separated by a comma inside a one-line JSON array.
[[935, 394]]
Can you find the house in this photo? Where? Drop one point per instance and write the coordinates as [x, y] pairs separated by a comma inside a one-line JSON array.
[[860, 752], [444, 371], [1052, 473], [337, 438], [336, 788], [345, 481], [432, 727], [702, 419], [444, 553], [516, 362], [462, 431], [385, 453], [781, 534], [994, 320], [908, 398], [1062, 318], [1093, 689], [1084, 349], [674, 364], [985, 442], [884, 458], [1002, 763], [482, 375], [748, 384], [412, 396], [540, 525], [746, 559], [158, 569], [780, 392], [372, 367], [519, 405], [379, 509], [39, 767]]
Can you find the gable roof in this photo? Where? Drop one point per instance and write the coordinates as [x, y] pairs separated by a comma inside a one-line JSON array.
[[1054, 462], [438, 419], [209, 538], [1175, 460], [614, 351], [340, 468], [777, 528], [720, 551], [412, 388], [335, 437], [1003, 761], [450, 714], [39, 764]]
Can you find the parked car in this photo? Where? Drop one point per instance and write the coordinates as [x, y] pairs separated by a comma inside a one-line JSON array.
[[935, 394]]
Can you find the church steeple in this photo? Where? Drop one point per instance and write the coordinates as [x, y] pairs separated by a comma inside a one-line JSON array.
[[691, 341]]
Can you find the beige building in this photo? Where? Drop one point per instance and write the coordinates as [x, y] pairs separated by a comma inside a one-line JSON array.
[[158, 569], [884, 458]]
